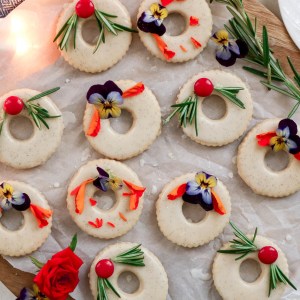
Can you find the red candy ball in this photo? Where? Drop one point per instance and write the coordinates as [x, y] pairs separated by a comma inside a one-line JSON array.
[[105, 268], [268, 255], [85, 8], [203, 87], [13, 105]]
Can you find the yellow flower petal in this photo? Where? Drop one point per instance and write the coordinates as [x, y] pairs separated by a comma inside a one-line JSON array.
[[212, 182], [115, 183], [115, 111], [277, 143], [154, 8], [221, 37], [200, 177], [7, 190], [163, 13]]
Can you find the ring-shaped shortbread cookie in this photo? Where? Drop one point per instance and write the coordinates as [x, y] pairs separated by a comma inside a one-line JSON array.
[[146, 126], [235, 121], [29, 237], [191, 42], [253, 170], [84, 57], [117, 220], [230, 285], [178, 229], [152, 277], [35, 151]]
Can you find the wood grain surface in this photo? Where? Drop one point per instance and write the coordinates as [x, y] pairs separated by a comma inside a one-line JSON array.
[[282, 45]]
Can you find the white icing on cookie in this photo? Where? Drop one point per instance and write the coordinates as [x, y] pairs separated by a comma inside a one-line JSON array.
[[253, 170], [108, 53], [29, 237], [178, 229], [146, 126], [26, 154], [153, 278]]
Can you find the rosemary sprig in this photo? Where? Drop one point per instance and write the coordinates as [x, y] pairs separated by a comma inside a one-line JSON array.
[[242, 245], [103, 284], [230, 93], [260, 54], [133, 257], [2, 122], [36, 262]]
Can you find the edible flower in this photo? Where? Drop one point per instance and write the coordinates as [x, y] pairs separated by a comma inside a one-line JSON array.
[[107, 99], [136, 192], [284, 138], [228, 49], [199, 190], [152, 19], [106, 181], [34, 294]]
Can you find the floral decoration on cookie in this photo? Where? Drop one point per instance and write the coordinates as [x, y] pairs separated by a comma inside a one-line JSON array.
[[104, 182], [14, 105], [284, 138], [105, 269], [200, 191], [57, 278], [86, 9], [107, 99], [203, 87], [9, 198], [243, 245], [228, 50]]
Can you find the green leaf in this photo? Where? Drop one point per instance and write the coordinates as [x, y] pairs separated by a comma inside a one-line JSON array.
[[133, 256], [2, 122], [109, 285], [75, 30], [104, 21], [43, 94], [266, 48], [123, 28], [231, 97], [36, 262], [261, 73], [294, 109], [73, 243], [62, 29], [285, 277], [280, 90], [107, 15], [297, 75]]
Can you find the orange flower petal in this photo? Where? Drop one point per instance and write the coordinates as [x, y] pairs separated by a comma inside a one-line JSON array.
[[177, 192], [134, 91], [136, 192], [194, 21], [79, 193], [41, 214], [95, 124], [122, 217], [218, 204], [111, 224], [264, 138], [183, 48], [163, 47], [195, 43]]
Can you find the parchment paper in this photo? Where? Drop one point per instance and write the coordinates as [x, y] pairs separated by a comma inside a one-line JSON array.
[[37, 65]]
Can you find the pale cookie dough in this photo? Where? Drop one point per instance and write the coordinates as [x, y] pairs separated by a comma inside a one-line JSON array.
[[253, 170], [201, 32], [90, 213], [35, 151], [153, 278], [29, 237], [178, 229], [108, 53], [229, 283], [145, 129], [235, 121]]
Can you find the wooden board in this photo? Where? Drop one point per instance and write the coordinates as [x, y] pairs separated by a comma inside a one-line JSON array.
[[282, 45]]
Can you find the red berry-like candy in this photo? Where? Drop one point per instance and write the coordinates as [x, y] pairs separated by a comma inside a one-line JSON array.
[[13, 105], [104, 268], [268, 255], [85, 8], [203, 87]]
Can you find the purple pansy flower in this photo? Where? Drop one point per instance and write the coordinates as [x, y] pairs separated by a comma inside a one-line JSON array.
[[228, 50], [198, 191], [35, 294], [105, 181], [152, 20], [286, 137], [107, 98]]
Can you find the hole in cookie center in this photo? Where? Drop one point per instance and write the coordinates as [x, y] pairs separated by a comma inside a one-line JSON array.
[[21, 128], [105, 200], [128, 282], [194, 213], [175, 24], [214, 107], [12, 219], [123, 123], [250, 270], [277, 161], [90, 31]]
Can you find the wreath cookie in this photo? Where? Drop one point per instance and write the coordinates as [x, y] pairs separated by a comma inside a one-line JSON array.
[[276, 135], [37, 221], [114, 38], [107, 101], [196, 125], [274, 268], [116, 259], [199, 189], [184, 47], [47, 132], [103, 175]]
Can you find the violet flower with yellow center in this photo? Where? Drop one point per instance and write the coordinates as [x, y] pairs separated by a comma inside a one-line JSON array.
[[152, 20], [34, 294], [198, 191], [107, 98], [106, 181], [228, 49]]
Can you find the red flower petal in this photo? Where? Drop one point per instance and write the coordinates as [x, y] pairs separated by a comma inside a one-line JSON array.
[[136, 192], [195, 43], [163, 47], [134, 91], [177, 192], [95, 124], [264, 138], [41, 215], [111, 224], [194, 21], [166, 2], [297, 156], [93, 202], [217, 203], [97, 224]]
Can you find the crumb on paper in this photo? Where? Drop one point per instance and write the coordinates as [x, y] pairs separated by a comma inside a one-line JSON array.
[[155, 165], [154, 189], [198, 274], [56, 184], [67, 80], [288, 237], [142, 162], [230, 175], [183, 136], [171, 155], [85, 155]]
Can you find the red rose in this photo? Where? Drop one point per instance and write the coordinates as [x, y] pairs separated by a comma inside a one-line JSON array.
[[59, 276]]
